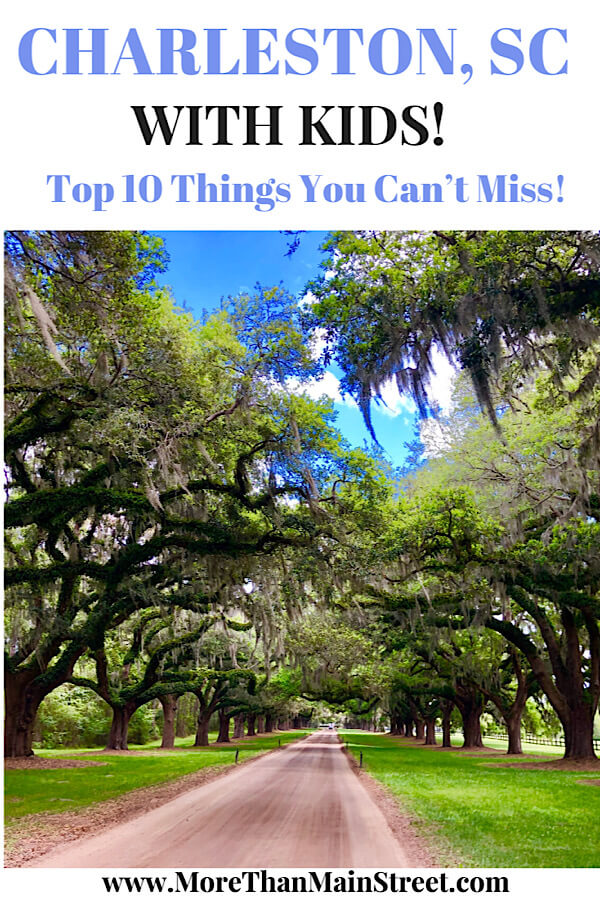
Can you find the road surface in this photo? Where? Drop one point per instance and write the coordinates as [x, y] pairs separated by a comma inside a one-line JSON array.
[[301, 806]]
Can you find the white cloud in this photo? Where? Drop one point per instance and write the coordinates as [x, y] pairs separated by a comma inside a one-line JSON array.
[[437, 437], [439, 390], [318, 342], [442, 382], [315, 388], [395, 403], [307, 299]]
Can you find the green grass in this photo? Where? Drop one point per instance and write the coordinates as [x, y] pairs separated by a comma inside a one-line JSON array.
[[56, 790], [499, 744], [528, 748], [484, 814]]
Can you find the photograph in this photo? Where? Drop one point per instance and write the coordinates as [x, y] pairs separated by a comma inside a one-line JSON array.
[[302, 553]]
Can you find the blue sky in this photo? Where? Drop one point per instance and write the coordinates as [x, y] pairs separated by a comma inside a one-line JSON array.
[[208, 265]]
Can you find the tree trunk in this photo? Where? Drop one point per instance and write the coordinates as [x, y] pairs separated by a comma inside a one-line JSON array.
[[238, 726], [573, 701], [202, 728], [513, 727], [260, 724], [223, 737], [408, 727], [22, 701], [268, 723], [251, 719], [579, 733], [420, 729], [512, 712], [117, 738], [169, 707], [471, 708], [430, 732], [447, 708]]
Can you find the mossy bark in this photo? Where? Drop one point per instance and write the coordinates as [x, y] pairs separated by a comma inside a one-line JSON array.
[[223, 736], [119, 728], [238, 726], [470, 706], [430, 732], [22, 699]]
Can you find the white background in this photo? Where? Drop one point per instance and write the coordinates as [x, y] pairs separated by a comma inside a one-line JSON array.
[[532, 125], [524, 884]]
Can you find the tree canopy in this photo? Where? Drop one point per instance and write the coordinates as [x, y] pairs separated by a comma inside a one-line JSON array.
[[497, 303], [181, 517], [152, 460]]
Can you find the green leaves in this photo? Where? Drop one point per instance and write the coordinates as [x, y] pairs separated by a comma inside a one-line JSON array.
[[496, 303], [154, 461]]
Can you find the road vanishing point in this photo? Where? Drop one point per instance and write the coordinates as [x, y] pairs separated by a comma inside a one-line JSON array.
[[298, 807]]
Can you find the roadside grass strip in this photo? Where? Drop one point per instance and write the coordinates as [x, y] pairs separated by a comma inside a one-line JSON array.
[[58, 790], [483, 813]]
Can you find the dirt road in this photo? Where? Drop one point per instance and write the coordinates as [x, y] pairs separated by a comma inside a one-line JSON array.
[[302, 806]]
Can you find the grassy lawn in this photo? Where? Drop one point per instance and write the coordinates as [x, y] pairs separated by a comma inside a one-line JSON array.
[[499, 744], [56, 790], [488, 815]]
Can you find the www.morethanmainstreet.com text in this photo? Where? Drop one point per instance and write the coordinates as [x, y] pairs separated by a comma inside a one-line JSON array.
[[310, 882]]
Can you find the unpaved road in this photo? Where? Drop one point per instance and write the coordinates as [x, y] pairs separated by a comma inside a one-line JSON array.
[[302, 806]]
